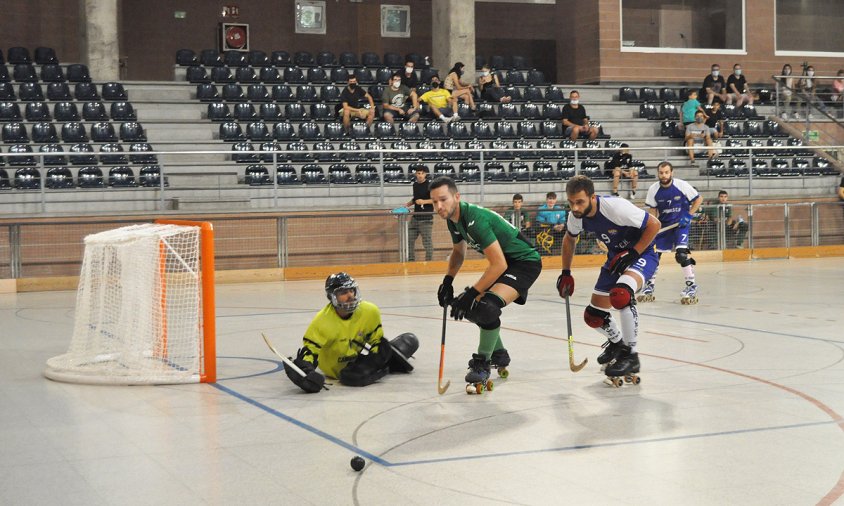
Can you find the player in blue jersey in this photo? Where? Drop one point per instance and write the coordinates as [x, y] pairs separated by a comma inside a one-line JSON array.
[[673, 201], [627, 231]]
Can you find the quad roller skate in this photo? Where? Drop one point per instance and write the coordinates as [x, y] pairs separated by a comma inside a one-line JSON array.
[[500, 359], [689, 294], [609, 354], [625, 369], [477, 378], [647, 294]]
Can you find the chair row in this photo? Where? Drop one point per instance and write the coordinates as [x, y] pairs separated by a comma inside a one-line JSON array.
[[666, 94], [50, 73], [18, 54], [732, 128], [29, 92], [72, 132], [79, 154], [257, 58], [68, 111], [672, 111], [774, 146], [776, 167], [57, 178]]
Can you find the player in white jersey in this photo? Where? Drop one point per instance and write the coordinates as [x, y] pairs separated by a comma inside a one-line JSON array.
[[628, 233], [674, 202]]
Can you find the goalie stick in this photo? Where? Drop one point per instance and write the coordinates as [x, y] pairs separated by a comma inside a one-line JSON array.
[[287, 362], [440, 388], [572, 366]]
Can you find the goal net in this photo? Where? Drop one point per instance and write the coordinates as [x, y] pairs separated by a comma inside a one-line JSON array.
[[144, 308]]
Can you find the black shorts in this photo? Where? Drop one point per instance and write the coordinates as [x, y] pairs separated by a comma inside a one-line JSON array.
[[521, 275]]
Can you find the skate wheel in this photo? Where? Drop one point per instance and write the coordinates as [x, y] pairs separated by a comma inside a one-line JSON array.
[[471, 390], [635, 379], [489, 385], [503, 372]]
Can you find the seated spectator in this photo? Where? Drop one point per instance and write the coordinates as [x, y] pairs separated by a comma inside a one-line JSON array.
[[714, 87], [619, 165], [575, 120], [837, 97], [438, 99], [399, 102], [696, 134], [808, 87], [689, 108], [841, 193], [490, 87], [550, 225], [787, 87], [736, 227], [715, 121], [459, 89], [518, 217], [737, 90], [356, 103], [408, 77]]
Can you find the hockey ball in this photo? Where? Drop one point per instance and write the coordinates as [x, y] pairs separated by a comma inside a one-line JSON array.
[[357, 463]]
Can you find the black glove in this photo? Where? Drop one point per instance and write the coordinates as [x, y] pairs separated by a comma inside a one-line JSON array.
[[463, 303], [565, 283], [623, 260], [312, 382], [445, 293]]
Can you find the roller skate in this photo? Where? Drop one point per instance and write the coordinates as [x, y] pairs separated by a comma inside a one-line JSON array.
[[477, 378], [625, 369], [500, 359], [689, 296], [609, 354], [647, 294]]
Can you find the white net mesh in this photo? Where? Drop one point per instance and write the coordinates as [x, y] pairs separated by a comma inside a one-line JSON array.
[[137, 309]]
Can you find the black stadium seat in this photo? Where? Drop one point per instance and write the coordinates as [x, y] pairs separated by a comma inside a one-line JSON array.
[[78, 73], [45, 56], [258, 58], [10, 111], [94, 111], [186, 58], [132, 131], [52, 73], [82, 154], [85, 91], [44, 133], [122, 111], [30, 92], [37, 111], [114, 91], [58, 92], [210, 58], [24, 73], [63, 111]]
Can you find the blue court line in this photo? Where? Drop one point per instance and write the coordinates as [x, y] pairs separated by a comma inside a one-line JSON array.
[[379, 460]]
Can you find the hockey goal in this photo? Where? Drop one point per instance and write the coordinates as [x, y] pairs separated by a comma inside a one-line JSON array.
[[144, 307]]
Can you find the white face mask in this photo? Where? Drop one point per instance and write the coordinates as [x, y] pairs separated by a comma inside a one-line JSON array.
[[738, 72], [408, 70], [396, 84], [575, 101], [715, 73], [484, 73], [810, 73]]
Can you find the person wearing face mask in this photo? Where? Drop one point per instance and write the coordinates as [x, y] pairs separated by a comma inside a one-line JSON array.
[[737, 88], [399, 102], [837, 97], [459, 89], [490, 87], [698, 133], [809, 87], [786, 92], [408, 76], [714, 86], [575, 120], [438, 99], [355, 101]]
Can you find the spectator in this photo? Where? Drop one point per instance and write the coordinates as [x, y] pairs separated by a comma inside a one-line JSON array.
[[841, 193], [518, 217], [787, 92], [575, 120], [421, 224], [459, 89], [715, 121], [438, 99], [550, 224], [808, 87], [698, 133], [735, 226], [737, 89], [837, 97], [490, 87], [408, 77], [689, 108], [399, 101], [620, 165], [714, 86], [356, 103]]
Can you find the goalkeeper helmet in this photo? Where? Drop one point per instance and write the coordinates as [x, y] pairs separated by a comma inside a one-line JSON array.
[[338, 283]]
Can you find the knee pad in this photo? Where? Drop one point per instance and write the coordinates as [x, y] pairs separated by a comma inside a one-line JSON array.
[[486, 311], [683, 257], [621, 296], [404, 346], [594, 317]]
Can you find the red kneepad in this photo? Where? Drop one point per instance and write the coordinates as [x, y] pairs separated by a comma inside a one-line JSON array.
[[620, 296]]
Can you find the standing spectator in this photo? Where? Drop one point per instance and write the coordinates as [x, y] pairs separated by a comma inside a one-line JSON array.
[[689, 108], [399, 101], [736, 227], [550, 224], [698, 133], [421, 224], [459, 89], [841, 193], [737, 88], [438, 99], [490, 87], [575, 120], [787, 92], [715, 121], [620, 165], [408, 77], [714, 86], [357, 103], [518, 217]]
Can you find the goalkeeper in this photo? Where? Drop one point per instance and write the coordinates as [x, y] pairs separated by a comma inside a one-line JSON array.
[[345, 341]]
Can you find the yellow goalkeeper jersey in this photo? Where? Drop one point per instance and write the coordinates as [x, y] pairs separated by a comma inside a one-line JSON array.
[[336, 341]]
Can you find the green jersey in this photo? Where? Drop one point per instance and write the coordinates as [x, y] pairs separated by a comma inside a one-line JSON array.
[[480, 227]]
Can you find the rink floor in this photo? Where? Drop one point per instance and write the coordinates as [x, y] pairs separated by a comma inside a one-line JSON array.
[[741, 402]]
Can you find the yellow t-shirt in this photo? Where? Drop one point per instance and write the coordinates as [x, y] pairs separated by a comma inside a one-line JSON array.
[[336, 341], [437, 98]]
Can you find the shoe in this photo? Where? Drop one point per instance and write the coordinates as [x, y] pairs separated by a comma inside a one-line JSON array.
[[795, 116], [784, 115], [615, 194], [632, 194]]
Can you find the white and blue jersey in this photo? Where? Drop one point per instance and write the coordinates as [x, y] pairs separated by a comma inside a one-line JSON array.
[[672, 204], [619, 225]]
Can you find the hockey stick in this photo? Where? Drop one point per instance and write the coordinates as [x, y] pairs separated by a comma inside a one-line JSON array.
[[572, 366], [287, 362], [440, 388], [669, 227]]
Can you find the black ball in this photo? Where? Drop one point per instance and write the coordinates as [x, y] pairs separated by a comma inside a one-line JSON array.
[[357, 463]]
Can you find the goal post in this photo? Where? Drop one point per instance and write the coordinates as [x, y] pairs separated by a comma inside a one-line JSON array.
[[144, 307]]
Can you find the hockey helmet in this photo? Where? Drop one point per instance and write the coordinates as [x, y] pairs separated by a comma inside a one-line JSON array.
[[339, 282]]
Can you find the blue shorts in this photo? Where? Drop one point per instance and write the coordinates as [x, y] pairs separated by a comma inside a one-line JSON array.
[[672, 239], [646, 266]]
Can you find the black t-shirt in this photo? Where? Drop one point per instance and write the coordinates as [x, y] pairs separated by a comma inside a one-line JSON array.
[[422, 191], [575, 115], [717, 84], [620, 160], [411, 81], [356, 99], [740, 82], [714, 118]]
